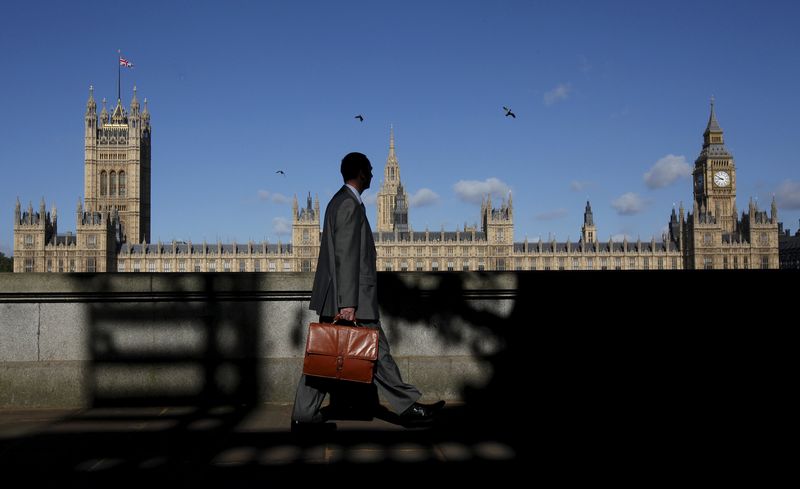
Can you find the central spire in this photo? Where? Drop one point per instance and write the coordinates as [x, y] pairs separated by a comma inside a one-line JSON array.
[[392, 158], [713, 125], [588, 218], [713, 138], [391, 171], [387, 195]]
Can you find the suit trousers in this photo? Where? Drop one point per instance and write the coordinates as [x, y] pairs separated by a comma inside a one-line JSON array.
[[400, 395]]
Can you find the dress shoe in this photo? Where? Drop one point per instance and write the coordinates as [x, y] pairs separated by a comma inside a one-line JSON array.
[[312, 428], [435, 407], [418, 414]]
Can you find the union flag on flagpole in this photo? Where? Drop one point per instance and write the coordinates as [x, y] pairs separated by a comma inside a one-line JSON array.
[[124, 62]]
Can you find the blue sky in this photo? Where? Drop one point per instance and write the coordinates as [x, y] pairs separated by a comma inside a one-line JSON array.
[[605, 94]]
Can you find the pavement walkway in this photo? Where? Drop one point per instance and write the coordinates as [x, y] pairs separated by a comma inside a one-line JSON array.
[[241, 446]]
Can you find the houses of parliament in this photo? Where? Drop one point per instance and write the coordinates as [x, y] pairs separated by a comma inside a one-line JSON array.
[[113, 223]]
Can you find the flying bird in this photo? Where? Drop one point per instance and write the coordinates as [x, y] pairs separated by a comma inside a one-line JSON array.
[[281, 172], [509, 113], [359, 117]]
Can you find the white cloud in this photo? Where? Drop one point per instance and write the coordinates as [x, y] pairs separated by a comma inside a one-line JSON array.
[[788, 195], [275, 197], [281, 226], [629, 204], [577, 186], [666, 171], [560, 92], [281, 199], [620, 237], [474, 190], [369, 198], [551, 215], [423, 197]]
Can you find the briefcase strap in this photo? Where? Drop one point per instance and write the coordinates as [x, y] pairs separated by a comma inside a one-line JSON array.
[[338, 317]]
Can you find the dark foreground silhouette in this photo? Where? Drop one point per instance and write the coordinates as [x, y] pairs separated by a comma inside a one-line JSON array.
[[601, 377]]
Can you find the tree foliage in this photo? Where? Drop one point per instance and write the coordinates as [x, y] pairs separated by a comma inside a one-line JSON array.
[[6, 263]]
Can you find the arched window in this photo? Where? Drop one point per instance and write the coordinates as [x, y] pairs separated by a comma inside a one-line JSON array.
[[103, 183], [113, 185], [122, 184]]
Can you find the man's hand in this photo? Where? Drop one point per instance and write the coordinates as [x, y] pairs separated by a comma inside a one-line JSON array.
[[348, 313]]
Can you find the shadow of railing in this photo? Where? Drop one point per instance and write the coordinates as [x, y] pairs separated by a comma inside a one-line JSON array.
[[176, 345]]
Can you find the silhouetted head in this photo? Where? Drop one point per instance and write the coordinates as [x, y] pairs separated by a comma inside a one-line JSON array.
[[357, 170]]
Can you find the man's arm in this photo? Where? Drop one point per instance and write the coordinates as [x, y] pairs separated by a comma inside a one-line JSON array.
[[347, 253]]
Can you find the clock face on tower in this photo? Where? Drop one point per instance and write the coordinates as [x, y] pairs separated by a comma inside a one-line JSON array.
[[722, 179]]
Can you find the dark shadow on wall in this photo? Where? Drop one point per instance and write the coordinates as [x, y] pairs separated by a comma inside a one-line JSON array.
[[192, 340], [614, 367], [598, 375]]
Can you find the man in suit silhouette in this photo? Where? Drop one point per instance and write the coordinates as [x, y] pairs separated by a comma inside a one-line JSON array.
[[346, 284]]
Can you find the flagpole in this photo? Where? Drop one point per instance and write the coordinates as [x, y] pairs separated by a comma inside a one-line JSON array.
[[119, 74]]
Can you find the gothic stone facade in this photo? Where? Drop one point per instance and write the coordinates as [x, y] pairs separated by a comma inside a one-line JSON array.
[[113, 224]]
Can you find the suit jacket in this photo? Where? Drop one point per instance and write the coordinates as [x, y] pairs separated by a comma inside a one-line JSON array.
[[346, 269]]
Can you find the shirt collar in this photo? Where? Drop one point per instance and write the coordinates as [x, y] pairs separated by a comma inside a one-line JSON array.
[[355, 192]]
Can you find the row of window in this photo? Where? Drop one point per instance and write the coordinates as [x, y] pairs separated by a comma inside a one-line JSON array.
[[112, 156], [91, 241], [64, 265], [435, 251], [212, 250], [113, 184], [460, 251], [152, 266], [114, 132], [762, 238], [708, 263], [61, 265], [546, 263], [451, 267]]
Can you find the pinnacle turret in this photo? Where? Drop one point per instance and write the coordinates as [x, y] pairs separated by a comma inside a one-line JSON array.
[[91, 105], [134, 103], [104, 113]]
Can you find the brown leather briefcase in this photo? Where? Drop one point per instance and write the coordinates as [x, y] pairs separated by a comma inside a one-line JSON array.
[[341, 352]]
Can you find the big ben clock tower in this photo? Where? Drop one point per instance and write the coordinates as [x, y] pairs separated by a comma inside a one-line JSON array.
[[715, 177]]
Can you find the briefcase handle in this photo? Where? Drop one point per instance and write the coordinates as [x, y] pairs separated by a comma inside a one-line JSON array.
[[338, 317]]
